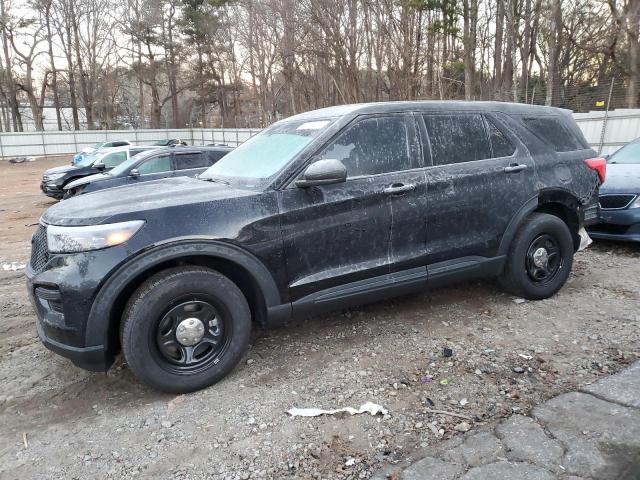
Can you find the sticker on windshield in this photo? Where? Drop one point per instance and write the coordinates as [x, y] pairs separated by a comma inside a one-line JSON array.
[[313, 125]]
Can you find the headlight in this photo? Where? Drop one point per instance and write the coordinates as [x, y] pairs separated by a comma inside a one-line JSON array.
[[94, 237], [53, 176], [636, 203]]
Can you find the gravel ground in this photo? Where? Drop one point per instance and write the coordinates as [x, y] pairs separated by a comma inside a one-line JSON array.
[[57, 421]]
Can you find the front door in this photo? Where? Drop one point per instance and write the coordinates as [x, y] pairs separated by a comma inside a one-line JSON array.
[[155, 168], [338, 234]]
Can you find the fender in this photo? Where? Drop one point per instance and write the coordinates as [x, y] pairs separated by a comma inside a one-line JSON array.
[[96, 333], [554, 195]]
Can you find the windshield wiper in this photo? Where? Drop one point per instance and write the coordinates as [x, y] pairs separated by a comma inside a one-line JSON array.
[[215, 180]]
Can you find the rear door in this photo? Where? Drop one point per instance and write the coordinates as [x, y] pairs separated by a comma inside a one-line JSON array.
[[342, 233], [480, 176]]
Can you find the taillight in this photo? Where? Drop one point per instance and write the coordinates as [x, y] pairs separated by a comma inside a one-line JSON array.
[[598, 164]]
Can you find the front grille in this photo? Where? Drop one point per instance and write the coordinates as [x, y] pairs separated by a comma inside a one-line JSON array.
[[39, 250], [609, 228], [616, 201]]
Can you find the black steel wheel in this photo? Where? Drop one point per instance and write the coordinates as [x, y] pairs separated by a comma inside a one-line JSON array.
[[539, 259], [185, 328], [544, 258], [191, 335]]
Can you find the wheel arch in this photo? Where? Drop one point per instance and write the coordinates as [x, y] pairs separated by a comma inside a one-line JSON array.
[[244, 269], [558, 202]]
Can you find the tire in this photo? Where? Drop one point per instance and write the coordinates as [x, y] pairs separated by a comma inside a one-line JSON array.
[[167, 360], [524, 273]]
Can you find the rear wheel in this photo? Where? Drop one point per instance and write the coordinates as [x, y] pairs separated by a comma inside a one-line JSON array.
[[540, 258], [185, 329]]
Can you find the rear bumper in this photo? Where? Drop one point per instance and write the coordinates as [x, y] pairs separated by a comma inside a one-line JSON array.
[[617, 225]]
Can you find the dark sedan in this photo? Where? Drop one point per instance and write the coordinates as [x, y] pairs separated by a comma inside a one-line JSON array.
[[153, 165], [55, 179], [620, 197]]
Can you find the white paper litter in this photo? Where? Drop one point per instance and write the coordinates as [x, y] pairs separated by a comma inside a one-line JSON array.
[[13, 266], [371, 408]]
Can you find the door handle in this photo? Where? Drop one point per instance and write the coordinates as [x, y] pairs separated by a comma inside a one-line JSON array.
[[399, 189], [514, 167]]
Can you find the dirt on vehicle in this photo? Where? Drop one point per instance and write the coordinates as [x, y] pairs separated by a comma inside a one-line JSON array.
[[470, 350]]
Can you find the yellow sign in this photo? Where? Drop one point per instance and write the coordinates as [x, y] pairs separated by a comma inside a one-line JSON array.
[[600, 103]]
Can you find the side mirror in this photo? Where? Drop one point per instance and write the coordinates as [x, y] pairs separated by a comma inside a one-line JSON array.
[[134, 173], [99, 165], [323, 172]]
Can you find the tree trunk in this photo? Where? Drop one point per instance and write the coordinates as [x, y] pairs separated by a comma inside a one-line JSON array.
[[553, 70], [86, 95], [54, 72], [470, 14], [497, 55]]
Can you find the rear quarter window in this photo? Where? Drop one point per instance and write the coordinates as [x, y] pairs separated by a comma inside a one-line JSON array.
[[552, 131]]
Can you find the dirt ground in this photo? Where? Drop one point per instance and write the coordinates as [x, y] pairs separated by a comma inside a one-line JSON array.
[[57, 421]]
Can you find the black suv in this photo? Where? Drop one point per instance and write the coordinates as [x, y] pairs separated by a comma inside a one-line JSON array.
[[55, 179], [326, 209], [151, 165]]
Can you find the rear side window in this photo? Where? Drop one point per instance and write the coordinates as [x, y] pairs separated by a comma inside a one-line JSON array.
[[186, 161], [552, 131], [500, 144], [214, 155], [373, 146], [457, 138]]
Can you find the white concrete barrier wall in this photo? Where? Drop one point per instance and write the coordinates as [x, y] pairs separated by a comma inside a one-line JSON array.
[[20, 144], [621, 126]]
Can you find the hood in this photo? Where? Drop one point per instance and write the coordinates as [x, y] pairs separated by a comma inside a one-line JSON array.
[[134, 201], [91, 178], [63, 169], [622, 178]]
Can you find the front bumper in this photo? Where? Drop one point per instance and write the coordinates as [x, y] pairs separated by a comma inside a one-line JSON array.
[[58, 329], [52, 190], [63, 289], [617, 225]]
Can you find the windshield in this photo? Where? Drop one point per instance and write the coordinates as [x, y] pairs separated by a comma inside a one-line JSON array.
[[268, 152], [628, 154], [88, 160]]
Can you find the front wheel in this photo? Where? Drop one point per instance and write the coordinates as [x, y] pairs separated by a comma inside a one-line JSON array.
[[540, 258], [185, 329]]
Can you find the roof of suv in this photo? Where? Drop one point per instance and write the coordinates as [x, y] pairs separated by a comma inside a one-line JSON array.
[[427, 105]]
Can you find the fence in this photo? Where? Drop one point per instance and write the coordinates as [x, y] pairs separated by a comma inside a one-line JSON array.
[[605, 132], [608, 131], [19, 144]]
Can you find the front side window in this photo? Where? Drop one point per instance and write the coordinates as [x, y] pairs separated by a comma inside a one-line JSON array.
[[373, 146], [186, 161], [265, 154], [156, 165], [457, 138], [112, 159]]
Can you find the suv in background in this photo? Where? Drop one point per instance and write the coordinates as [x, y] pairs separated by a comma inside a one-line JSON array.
[[55, 179], [326, 209], [151, 165], [77, 158]]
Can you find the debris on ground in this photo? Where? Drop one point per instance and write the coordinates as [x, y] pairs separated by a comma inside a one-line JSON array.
[[371, 408]]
